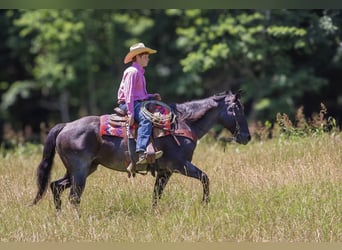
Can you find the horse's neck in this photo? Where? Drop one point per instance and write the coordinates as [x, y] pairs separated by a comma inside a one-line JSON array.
[[203, 125], [200, 115]]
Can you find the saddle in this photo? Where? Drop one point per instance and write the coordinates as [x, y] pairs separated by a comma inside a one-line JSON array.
[[119, 119]]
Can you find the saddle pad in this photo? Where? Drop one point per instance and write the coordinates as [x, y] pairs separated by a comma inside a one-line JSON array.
[[107, 129]]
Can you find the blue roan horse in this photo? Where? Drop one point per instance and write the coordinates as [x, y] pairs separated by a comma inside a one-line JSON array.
[[82, 148]]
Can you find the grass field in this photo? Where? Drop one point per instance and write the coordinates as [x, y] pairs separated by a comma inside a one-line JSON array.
[[279, 190]]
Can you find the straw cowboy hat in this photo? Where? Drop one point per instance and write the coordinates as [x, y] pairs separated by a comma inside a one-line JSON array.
[[137, 49]]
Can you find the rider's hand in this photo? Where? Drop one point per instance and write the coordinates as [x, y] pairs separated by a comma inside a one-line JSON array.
[[130, 120], [157, 96]]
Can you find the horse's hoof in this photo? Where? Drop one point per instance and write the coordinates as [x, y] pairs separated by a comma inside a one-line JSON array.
[[130, 174], [131, 170]]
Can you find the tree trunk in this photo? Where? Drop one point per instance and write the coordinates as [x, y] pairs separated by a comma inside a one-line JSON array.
[[64, 106]]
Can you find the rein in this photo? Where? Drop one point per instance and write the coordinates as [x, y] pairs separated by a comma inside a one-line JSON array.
[[236, 131], [237, 126]]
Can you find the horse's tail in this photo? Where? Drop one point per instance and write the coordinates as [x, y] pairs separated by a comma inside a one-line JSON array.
[[45, 166]]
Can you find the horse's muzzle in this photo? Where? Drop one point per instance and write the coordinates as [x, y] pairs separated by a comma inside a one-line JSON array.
[[243, 138]]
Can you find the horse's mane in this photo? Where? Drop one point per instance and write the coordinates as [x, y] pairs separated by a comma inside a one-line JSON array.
[[194, 110]]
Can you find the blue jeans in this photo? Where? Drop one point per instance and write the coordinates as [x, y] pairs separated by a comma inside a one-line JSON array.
[[144, 129]]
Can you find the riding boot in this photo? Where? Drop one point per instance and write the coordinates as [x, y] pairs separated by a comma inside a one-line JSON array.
[[144, 158]]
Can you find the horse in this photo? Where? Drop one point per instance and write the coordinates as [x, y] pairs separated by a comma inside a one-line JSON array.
[[82, 148]]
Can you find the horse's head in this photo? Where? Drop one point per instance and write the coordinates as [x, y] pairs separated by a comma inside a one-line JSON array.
[[232, 117]]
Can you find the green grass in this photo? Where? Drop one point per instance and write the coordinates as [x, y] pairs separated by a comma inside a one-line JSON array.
[[272, 191]]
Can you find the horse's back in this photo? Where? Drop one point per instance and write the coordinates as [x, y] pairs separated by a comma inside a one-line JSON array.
[[78, 135], [80, 142]]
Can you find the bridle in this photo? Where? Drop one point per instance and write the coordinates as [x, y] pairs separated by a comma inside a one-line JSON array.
[[237, 125], [235, 110]]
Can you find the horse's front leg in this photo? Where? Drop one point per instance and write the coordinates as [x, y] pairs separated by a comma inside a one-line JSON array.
[[161, 181], [192, 171]]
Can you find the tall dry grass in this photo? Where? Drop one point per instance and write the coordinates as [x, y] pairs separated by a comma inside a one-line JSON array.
[[279, 190]]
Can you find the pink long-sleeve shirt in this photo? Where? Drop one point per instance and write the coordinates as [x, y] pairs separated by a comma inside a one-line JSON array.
[[133, 87]]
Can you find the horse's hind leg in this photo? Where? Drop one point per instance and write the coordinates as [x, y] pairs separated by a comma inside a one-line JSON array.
[[161, 181], [78, 181], [57, 187]]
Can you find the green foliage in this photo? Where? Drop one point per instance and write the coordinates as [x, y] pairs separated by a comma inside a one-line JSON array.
[[300, 127], [318, 124], [73, 48], [269, 51], [136, 26], [227, 34], [55, 33], [275, 56], [19, 88]]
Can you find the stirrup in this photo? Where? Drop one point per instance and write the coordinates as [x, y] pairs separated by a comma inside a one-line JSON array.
[[143, 159]]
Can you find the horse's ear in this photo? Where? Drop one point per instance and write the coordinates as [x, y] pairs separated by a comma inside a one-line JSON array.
[[238, 94]]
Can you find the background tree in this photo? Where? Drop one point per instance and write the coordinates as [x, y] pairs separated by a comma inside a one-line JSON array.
[[58, 65], [279, 57]]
